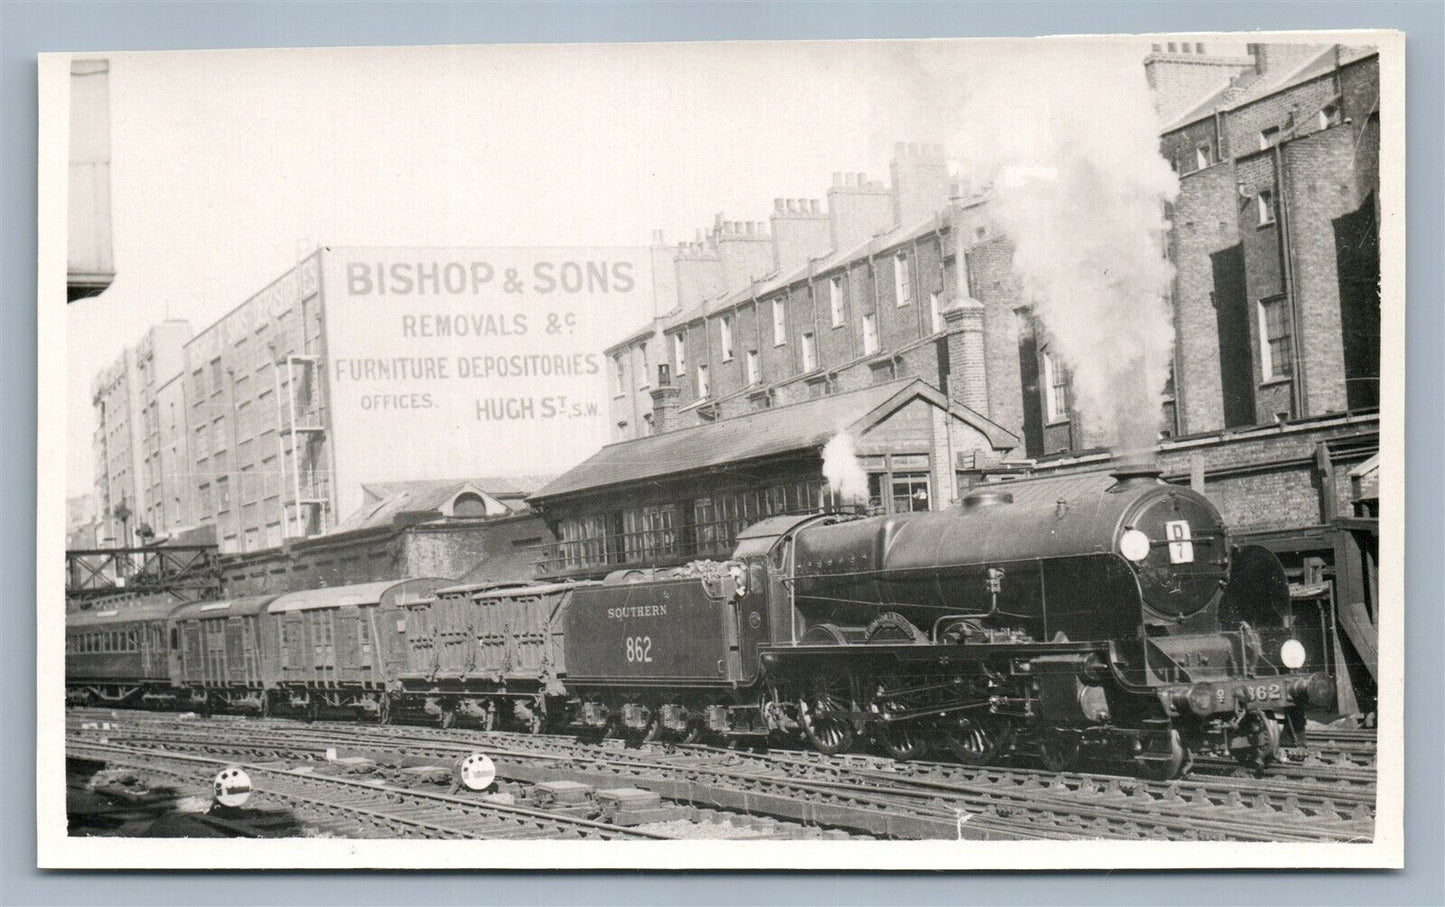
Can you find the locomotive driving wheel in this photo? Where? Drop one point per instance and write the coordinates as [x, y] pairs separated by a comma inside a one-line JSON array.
[[903, 740], [829, 733], [972, 741]]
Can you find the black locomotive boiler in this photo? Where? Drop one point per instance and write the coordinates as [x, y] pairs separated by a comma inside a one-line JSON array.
[[1104, 613]]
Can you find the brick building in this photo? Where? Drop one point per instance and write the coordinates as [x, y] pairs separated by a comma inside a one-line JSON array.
[[130, 456]]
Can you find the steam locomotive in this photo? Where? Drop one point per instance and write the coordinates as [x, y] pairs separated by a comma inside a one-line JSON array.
[[1105, 615]]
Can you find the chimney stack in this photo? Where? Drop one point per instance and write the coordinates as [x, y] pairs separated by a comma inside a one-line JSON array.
[[664, 402], [800, 232], [857, 209], [921, 182]]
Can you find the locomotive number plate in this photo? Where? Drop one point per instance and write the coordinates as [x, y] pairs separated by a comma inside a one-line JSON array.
[[1263, 692], [1181, 548]]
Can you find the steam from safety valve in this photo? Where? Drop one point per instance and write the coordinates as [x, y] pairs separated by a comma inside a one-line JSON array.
[[843, 471]]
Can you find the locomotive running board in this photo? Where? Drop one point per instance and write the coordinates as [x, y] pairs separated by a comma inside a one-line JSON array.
[[804, 661]]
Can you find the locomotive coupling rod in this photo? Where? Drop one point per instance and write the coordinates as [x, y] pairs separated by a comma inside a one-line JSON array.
[[889, 717]]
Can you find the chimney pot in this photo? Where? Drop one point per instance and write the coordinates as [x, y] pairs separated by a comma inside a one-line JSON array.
[[899, 149], [837, 178], [778, 205], [813, 205], [752, 227]]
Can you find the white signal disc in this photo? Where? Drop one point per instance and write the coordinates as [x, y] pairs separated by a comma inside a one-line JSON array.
[[476, 772], [1292, 654], [1134, 545], [232, 787]]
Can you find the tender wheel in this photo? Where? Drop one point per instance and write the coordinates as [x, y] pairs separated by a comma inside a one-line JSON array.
[[1167, 769], [969, 740], [1059, 752], [829, 735]]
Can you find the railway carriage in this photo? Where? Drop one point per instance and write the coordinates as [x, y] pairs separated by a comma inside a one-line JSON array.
[[119, 656], [225, 655], [331, 645], [489, 653]]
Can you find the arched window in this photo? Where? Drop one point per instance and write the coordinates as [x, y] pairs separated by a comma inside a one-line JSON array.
[[469, 505]]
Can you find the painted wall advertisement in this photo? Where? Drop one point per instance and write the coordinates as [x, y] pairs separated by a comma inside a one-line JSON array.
[[451, 363]]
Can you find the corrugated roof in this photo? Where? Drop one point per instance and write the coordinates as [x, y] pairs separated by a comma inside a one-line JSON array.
[[782, 429]]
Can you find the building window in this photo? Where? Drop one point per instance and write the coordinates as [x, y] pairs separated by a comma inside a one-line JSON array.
[[870, 334], [902, 280], [1203, 157], [642, 376], [1275, 338], [726, 328], [1056, 389], [780, 323], [620, 373], [468, 505], [215, 376], [703, 386], [1264, 202], [835, 299], [753, 376], [679, 355], [1268, 138], [935, 312], [899, 483], [810, 352]]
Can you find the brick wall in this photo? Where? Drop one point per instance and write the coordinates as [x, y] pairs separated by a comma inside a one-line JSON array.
[[990, 266], [1319, 189], [1205, 224]]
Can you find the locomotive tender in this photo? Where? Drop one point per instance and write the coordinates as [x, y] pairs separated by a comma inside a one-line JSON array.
[[1103, 614]]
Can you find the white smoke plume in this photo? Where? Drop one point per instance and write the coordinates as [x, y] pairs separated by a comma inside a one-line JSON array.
[[1065, 134], [843, 471]]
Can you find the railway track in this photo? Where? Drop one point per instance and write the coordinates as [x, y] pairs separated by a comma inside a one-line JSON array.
[[868, 794], [354, 808]]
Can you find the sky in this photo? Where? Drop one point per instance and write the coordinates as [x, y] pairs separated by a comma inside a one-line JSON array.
[[229, 166]]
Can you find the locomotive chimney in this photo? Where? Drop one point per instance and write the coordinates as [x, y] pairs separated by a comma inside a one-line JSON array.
[[1133, 475]]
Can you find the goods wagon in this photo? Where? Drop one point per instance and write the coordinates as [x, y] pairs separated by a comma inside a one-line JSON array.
[[489, 653], [330, 645], [118, 656], [225, 657]]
